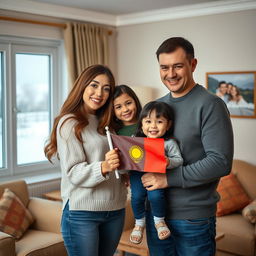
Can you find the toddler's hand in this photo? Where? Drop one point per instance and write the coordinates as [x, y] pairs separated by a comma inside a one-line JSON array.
[[167, 161]]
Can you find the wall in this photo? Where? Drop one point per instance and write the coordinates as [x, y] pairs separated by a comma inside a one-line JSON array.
[[223, 42]]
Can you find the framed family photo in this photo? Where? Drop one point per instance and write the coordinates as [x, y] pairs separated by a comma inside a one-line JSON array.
[[237, 89]]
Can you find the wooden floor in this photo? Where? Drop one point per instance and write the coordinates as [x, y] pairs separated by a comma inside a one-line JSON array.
[[129, 254], [126, 254]]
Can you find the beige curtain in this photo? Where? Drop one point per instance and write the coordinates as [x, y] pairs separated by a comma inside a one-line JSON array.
[[85, 44]]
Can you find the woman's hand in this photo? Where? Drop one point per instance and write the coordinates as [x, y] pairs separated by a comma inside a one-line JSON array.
[[111, 162]]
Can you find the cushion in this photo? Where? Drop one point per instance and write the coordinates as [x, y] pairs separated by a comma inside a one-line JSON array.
[[14, 217], [249, 212], [232, 195]]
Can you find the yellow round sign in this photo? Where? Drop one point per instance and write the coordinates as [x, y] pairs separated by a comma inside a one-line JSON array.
[[136, 153]]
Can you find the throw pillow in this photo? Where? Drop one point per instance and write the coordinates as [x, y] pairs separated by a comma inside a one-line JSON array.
[[232, 195], [15, 218], [249, 212]]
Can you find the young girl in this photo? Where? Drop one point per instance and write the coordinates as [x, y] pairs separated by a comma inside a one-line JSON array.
[[93, 199], [155, 121], [127, 108]]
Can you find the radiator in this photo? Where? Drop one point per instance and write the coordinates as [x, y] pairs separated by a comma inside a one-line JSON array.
[[38, 189]]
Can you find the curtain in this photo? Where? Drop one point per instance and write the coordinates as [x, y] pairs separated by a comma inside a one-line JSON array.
[[85, 44]]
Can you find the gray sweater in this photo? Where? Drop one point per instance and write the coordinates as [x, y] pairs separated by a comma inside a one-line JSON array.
[[172, 151], [203, 130], [82, 182]]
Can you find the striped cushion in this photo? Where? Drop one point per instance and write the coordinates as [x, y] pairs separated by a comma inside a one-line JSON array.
[[14, 217], [249, 212]]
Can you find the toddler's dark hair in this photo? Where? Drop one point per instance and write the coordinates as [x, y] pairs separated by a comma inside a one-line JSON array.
[[162, 109]]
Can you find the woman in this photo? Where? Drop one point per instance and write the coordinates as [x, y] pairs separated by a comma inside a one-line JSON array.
[[93, 199], [236, 99]]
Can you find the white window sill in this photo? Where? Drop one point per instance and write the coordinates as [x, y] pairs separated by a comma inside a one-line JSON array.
[[34, 178]]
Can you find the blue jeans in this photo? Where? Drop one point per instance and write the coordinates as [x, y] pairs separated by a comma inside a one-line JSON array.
[[88, 233], [139, 195], [188, 237]]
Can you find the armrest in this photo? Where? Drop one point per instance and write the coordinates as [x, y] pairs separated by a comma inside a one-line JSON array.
[[7, 245], [47, 214]]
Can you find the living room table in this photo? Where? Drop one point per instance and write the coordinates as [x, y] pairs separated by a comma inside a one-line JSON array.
[[53, 195]]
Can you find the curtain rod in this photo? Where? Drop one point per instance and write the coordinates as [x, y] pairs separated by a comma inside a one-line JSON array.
[[52, 24]]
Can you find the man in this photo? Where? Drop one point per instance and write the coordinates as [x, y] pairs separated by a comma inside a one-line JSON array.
[[202, 128], [222, 91]]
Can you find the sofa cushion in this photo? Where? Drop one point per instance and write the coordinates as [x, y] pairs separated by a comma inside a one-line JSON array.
[[249, 212], [232, 195], [245, 173], [18, 187], [37, 243], [14, 217], [239, 235]]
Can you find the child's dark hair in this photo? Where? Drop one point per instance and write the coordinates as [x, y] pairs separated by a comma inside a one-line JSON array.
[[124, 89], [162, 109]]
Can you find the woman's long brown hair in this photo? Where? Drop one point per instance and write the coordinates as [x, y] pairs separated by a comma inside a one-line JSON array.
[[74, 105]]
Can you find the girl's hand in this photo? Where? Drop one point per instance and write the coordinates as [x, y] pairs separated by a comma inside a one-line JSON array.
[[111, 162], [125, 179]]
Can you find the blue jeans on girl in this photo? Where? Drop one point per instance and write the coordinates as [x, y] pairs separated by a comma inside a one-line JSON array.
[[189, 237], [88, 233], [139, 195]]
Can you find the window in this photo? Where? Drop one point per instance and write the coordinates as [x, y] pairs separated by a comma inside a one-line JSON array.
[[32, 106], [30, 73]]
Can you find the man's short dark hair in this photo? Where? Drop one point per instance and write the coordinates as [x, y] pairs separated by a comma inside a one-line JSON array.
[[221, 82], [171, 44]]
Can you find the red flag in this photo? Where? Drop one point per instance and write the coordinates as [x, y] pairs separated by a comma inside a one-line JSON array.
[[141, 154]]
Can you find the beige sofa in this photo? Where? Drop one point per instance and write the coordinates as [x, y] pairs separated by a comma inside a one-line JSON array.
[[239, 234], [43, 236]]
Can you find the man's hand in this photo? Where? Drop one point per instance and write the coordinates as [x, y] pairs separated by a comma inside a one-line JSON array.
[[152, 181]]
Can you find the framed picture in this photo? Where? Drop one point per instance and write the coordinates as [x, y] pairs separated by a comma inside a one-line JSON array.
[[237, 89]]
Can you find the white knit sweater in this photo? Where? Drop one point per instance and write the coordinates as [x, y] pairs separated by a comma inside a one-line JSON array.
[[82, 182]]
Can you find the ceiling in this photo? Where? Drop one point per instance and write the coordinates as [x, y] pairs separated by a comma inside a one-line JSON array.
[[125, 12], [121, 7]]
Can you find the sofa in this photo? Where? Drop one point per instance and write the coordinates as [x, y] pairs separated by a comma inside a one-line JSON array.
[[239, 233], [43, 236]]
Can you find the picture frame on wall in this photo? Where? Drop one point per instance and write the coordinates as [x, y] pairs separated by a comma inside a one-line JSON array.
[[236, 89]]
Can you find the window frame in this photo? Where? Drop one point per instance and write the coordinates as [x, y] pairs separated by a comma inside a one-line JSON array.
[[5, 141], [10, 45]]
